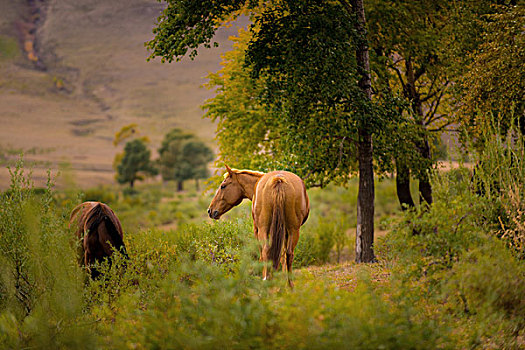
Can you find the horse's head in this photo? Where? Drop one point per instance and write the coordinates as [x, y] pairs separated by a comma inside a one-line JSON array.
[[228, 195]]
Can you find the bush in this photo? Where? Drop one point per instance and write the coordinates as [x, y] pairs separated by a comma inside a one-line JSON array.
[[199, 306], [500, 178], [489, 284], [447, 259], [41, 301]]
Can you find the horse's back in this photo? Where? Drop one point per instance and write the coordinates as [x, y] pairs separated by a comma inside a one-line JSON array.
[[91, 219], [293, 191]]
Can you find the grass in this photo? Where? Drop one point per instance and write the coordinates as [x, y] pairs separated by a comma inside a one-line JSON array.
[[198, 285], [8, 48]]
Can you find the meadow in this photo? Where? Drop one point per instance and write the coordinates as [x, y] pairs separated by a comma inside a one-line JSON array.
[[443, 280], [448, 276]]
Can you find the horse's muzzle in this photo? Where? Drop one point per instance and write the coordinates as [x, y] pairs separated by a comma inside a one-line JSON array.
[[213, 214]]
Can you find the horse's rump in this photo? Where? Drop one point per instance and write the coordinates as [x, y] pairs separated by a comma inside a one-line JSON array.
[[101, 213], [98, 230]]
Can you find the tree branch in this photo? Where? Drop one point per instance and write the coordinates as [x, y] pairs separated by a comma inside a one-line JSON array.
[[400, 76], [432, 118], [430, 92], [419, 72]]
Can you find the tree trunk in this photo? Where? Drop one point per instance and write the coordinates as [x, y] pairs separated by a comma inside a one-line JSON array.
[[180, 186], [403, 185], [197, 184], [364, 251], [131, 183], [425, 188]]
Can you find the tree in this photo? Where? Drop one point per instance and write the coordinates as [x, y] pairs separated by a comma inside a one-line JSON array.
[[135, 163], [198, 155], [492, 84], [183, 157], [419, 52], [408, 39], [127, 132], [365, 206], [312, 59]]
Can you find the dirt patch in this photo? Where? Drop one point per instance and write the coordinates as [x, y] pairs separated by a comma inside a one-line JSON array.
[[83, 122], [347, 275]]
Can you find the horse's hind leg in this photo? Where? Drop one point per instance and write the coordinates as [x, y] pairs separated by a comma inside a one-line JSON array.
[[261, 233], [290, 246], [264, 258]]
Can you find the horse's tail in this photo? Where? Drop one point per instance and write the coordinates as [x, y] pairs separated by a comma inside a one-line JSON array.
[[278, 223], [102, 213]]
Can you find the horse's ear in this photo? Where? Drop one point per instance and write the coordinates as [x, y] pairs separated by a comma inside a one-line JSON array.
[[230, 171]]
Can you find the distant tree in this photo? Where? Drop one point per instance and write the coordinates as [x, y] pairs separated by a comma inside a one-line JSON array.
[[198, 155], [183, 157], [127, 132], [135, 163]]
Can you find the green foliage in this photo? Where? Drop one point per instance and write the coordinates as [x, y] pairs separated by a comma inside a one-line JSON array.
[[499, 177], [494, 80], [244, 126], [198, 306], [41, 302], [291, 117], [489, 283], [305, 54], [448, 258], [184, 25], [183, 157], [218, 244], [127, 132], [135, 162], [452, 285]]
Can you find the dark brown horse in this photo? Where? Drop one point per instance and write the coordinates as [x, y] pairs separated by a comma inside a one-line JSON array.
[[280, 206], [99, 231]]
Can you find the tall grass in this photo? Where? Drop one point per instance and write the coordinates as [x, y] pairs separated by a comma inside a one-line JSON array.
[[500, 177], [457, 267], [41, 303], [199, 286]]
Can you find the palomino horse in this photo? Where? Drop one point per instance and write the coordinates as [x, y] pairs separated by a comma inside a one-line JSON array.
[[98, 229], [280, 206]]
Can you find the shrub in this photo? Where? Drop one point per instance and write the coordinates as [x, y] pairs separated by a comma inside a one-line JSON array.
[[40, 282], [500, 177], [199, 306], [455, 266], [489, 283]]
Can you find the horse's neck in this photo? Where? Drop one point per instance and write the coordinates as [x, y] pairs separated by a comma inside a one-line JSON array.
[[248, 182]]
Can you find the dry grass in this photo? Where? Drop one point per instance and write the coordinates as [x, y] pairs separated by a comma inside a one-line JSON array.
[[96, 49]]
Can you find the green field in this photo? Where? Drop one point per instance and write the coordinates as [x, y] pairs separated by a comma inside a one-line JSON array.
[[192, 283]]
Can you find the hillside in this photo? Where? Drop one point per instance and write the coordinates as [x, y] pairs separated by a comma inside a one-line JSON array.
[[91, 79]]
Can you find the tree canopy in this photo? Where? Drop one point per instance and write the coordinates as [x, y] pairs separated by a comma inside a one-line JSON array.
[[135, 163], [492, 86], [308, 120], [183, 157]]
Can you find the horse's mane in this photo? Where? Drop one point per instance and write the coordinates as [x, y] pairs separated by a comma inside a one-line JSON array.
[[244, 171]]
